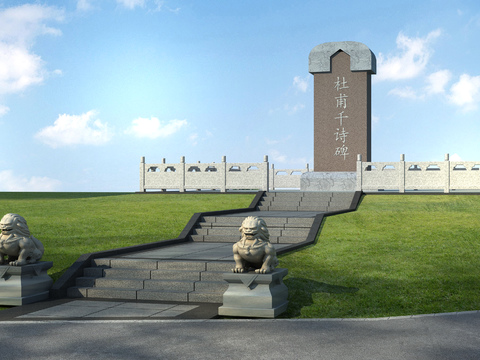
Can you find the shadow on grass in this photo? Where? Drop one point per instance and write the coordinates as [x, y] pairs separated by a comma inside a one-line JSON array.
[[316, 286], [300, 293]]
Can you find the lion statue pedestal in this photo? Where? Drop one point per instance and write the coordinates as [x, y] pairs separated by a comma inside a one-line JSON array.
[[255, 295], [21, 285], [261, 291], [23, 277]]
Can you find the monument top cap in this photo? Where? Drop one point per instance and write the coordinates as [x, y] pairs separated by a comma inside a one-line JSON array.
[[361, 57]]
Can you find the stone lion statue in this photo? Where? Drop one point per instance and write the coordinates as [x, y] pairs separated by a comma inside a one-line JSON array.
[[16, 242], [254, 249]]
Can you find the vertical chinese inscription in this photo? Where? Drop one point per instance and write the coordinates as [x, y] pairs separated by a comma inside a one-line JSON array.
[[341, 101], [341, 116]]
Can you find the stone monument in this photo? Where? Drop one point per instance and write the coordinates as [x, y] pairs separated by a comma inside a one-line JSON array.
[[23, 277], [261, 291], [342, 113]]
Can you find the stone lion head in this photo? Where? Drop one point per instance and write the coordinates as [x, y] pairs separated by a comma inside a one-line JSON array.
[[254, 228], [14, 224]]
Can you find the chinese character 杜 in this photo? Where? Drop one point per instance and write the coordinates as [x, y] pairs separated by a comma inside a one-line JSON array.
[[340, 84]]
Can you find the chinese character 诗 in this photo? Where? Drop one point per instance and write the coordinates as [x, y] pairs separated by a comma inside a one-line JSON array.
[[340, 84], [341, 135]]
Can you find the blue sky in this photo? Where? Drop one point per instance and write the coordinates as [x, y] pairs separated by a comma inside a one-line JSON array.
[[87, 87]]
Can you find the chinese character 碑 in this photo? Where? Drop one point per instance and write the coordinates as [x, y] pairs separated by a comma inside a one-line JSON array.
[[342, 151]]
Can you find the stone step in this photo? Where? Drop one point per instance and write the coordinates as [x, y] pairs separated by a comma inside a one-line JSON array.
[[206, 296], [120, 283], [153, 295], [176, 275], [119, 273], [216, 238], [223, 266], [211, 286], [284, 239], [85, 281], [215, 275], [169, 285], [273, 231]]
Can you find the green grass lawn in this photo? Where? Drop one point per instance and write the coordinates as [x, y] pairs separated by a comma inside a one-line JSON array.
[[72, 224], [396, 255]]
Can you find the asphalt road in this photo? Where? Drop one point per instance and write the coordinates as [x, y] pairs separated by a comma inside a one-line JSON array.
[[455, 336]]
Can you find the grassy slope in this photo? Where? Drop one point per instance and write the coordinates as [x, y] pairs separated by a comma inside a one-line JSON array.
[[71, 224], [396, 255]]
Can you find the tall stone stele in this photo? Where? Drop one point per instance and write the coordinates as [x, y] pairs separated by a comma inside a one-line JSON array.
[[342, 108]]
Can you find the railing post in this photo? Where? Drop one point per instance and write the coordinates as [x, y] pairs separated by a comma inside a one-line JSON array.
[[142, 174], [359, 173], [272, 178], [182, 167], [401, 169], [447, 175], [224, 178], [265, 185]]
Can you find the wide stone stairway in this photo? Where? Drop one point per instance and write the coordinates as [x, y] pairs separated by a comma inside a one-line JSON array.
[[193, 271]]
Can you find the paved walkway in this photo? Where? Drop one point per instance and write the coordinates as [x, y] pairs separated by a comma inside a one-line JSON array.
[[442, 337]]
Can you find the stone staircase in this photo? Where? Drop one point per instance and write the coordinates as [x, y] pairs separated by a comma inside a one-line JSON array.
[[305, 201], [200, 280], [155, 280], [283, 230]]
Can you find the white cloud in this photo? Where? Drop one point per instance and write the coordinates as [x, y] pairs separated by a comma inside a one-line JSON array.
[[300, 83], [11, 182], [3, 110], [437, 81], [414, 56], [406, 92], [193, 139], [293, 109], [465, 92], [276, 157], [455, 157], [279, 141], [70, 130], [375, 119], [19, 66], [84, 5], [131, 4], [153, 128]]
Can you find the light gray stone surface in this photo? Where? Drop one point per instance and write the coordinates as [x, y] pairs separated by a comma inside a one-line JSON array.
[[255, 295], [362, 58], [430, 337], [328, 181], [20, 285]]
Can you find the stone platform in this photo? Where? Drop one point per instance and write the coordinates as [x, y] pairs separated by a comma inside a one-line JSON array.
[[20, 285], [255, 295]]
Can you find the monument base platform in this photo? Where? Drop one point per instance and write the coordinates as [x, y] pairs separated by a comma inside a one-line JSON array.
[[255, 295], [21, 285], [328, 181]]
